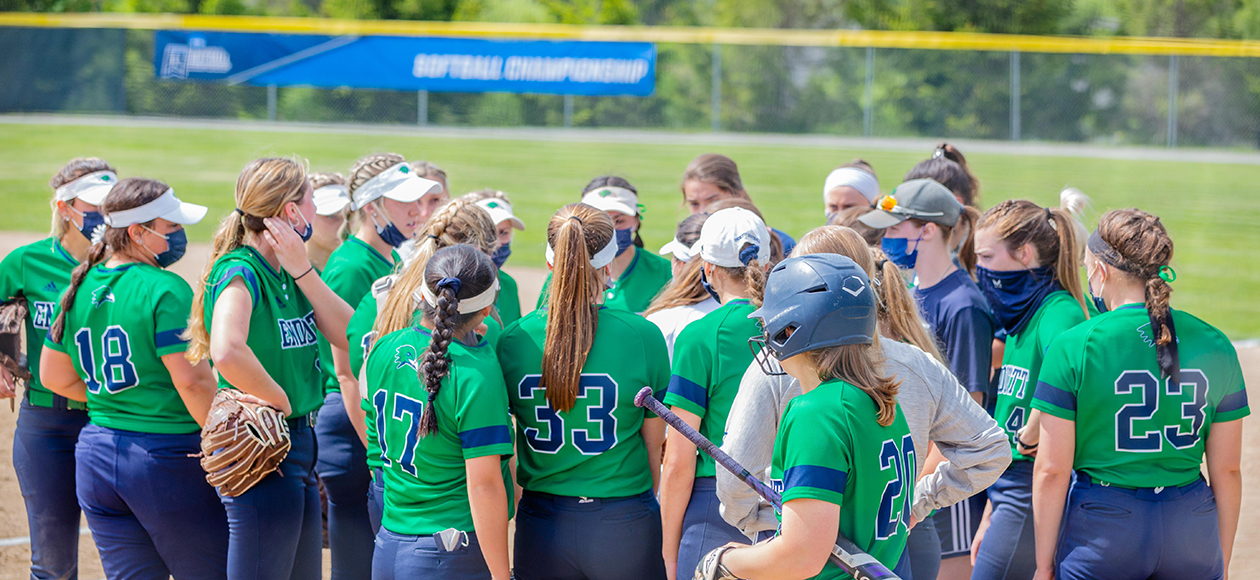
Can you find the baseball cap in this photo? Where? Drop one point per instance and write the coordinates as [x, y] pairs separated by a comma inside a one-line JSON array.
[[618, 199], [922, 199], [726, 232], [166, 206], [91, 188], [399, 183], [500, 210], [331, 199]]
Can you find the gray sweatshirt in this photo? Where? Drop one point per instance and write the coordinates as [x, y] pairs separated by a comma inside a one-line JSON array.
[[937, 409]]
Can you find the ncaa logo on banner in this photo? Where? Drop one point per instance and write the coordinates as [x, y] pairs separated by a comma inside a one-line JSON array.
[[180, 60]]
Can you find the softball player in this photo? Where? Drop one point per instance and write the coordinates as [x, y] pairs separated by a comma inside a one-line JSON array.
[[436, 199], [684, 300], [457, 222], [1133, 400], [636, 275], [947, 166], [588, 456], [710, 356], [257, 317], [445, 431], [923, 224], [712, 177], [388, 196], [497, 204], [116, 343], [332, 209], [1028, 260], [844, 457], [49, 424], [851, 185]]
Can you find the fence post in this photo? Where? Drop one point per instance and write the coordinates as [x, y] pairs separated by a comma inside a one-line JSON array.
[[271, 102], [1173, 73], [868, 100], [568, 111], [1015, 96], [715, 107], [422, 107]]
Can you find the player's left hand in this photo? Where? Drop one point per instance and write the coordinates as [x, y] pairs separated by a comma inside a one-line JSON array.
[[288, 246], [711, 567]]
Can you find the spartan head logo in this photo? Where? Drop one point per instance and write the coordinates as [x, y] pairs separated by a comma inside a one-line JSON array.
[[102, 295], [405, 356]]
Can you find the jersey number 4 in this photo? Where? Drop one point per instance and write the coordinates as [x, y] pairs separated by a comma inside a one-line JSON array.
[[598, 411], [1147, 385], [117, 372], [900, 459]]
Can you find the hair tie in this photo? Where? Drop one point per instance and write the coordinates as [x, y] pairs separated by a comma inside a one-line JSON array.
[[453, 283], [1167, 273], [749, 253], [880, 265], [431, 236], [577, 219], [432, 396], [240, 211], [940, 152], [1049, 215]]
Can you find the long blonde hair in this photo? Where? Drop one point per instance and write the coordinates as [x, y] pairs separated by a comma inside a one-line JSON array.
[[898, 314], [684, 289], [577, 232], [861, 366], [458, 221], [263, 189]]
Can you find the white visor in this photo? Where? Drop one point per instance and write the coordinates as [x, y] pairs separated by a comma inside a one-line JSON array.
[[166, 206], [618, 199], [860, 180], [91, 188], [682, 252], [467, 305], [399, 183], [331, 199], [601, 258], [500, 211]]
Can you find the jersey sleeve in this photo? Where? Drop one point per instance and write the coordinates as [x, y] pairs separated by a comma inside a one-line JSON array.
[[170, 317], [692, 366], [1060, 379], [11, 275], [357, 331], [226, 273], [816, 461], [1233, 405], [48, 337], [970, 339], [482, 416]]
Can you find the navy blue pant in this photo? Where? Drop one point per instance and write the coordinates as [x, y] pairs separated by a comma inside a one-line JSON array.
[[575, 538], [956, 526], [275, 528], [43, 457], [1118, 534], [704, 530], [151, 512], [342, 466], [1008, 550], [923, 548], [376, 499], [420, 557]]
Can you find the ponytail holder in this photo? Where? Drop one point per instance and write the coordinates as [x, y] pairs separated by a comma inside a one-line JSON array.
[[1168, 274], [432, 396], [940, 152], [749, 253], [239, 211], [1049, 215], [431, 236], [576, 219], [880, 265], [453, 283]]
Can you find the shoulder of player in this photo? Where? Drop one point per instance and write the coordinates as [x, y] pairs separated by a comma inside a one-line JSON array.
[[906, 361], [654, 262], [1188, 324], [959, 293], [627, 321], [159, 279]]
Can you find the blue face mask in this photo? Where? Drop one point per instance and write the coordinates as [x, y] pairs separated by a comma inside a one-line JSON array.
[[176, 245], [1015, 295], [306, 233], [704, 281], [389, 233], [501, 255], [1099, 303], [828, 218], [895, 249], [91, 221], [625, 239]]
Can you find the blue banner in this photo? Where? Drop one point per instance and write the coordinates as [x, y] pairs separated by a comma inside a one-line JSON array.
[[408, 63]]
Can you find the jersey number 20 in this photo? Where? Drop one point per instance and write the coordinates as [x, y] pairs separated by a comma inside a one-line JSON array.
[[599, 411], [119, 374], [1146, 383], [900, 459]]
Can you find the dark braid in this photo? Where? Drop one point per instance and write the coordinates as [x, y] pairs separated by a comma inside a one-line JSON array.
[[453, 273]]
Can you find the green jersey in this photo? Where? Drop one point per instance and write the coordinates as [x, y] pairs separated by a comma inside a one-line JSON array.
[[509, 301], [1134, 428], [426, 484], [710, 357], [1025, 353], [637, 286], [596, 448], [38, 272], [830, 448], [282, 332], [349, 273], [124, 320]]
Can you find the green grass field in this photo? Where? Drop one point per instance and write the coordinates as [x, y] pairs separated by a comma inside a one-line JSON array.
[[1205, 206]]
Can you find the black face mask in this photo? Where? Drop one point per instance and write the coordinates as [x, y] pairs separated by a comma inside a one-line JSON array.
[[1015, 295], [704, 281]]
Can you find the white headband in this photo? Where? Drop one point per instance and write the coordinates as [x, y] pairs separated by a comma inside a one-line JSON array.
[[99, 182], [863, 181], [601, 258], [166, 206], [467, 305]]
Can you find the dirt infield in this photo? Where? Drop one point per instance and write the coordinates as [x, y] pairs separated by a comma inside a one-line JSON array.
[[15, 551]]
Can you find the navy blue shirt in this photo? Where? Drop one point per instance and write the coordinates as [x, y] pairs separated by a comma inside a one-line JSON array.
[[959, 316], [789, 244]]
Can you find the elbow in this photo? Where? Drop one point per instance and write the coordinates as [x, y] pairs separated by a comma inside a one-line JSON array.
[[809, 566]]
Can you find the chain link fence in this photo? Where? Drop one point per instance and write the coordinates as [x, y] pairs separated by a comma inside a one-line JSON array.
[[1089, 98]]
